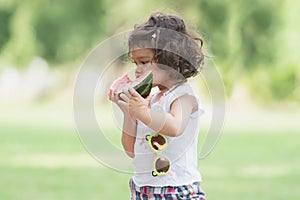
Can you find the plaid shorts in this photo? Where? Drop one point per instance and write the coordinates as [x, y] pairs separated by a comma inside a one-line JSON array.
[[187, 192]]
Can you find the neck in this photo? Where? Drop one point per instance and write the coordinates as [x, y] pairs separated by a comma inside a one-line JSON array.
[[169, 86]]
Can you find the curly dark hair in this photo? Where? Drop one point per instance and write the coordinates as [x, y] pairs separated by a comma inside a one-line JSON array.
[[173, 45]]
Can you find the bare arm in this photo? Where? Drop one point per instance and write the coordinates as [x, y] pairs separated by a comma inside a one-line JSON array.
[[129, 135], [129, 126], [170, 124]]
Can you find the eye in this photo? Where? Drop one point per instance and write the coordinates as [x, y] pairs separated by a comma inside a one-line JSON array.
[[144, 62], [141, 63]]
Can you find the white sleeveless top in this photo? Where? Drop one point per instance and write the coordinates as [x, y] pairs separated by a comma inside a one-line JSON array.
[[181, 150]]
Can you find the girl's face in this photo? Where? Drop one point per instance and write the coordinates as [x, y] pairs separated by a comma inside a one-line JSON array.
[[143, 58]]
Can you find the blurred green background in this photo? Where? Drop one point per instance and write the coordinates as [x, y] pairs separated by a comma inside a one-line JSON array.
[[254, 44]]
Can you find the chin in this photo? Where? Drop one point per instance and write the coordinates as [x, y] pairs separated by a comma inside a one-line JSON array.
[[154, 84]]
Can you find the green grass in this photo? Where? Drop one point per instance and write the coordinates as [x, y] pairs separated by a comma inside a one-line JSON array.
[[42, 158], [253, 166]]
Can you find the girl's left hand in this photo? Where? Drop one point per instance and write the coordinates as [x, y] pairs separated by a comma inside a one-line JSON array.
[[137, 105]]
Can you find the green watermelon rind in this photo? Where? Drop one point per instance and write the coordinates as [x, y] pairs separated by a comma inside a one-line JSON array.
[[144, 87]]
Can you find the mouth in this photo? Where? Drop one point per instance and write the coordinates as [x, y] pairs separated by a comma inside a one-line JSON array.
[[137, 75]]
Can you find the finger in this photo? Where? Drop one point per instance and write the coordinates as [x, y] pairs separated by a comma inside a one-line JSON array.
[[126, 92], [133, 92], [122, 103], [116, 97], [123, 97], [111, 96]]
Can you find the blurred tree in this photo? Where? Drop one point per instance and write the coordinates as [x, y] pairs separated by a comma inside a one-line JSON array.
[[254, 40], [4, 22], [20, 46], [282, 73], [65, 30], [58, 30], [243, 37], [259, 26]]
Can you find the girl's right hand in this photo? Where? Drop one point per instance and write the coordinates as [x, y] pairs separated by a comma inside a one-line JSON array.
[[123, 105]]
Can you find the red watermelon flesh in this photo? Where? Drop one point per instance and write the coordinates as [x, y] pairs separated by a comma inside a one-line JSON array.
[[119, 83], [142, 84]]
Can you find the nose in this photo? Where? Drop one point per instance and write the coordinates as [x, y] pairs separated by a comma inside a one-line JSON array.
[[140, 66], [139, 70], [138, 73]]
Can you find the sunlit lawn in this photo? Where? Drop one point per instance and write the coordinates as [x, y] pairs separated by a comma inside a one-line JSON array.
[[42, 157]]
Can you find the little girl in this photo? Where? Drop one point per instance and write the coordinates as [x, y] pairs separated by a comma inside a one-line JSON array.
[[160, 132]]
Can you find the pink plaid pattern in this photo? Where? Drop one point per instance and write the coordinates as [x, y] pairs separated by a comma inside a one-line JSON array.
[[187, 192]]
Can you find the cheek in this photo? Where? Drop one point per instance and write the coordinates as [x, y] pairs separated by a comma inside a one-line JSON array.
[[158, 74], [157, 78]]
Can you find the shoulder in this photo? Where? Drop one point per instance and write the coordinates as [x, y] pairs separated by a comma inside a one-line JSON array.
[[180, 91], [184, 96], [186, 101]]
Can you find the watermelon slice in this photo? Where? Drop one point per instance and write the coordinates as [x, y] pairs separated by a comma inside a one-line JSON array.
[[119, 83], [142, 85]]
